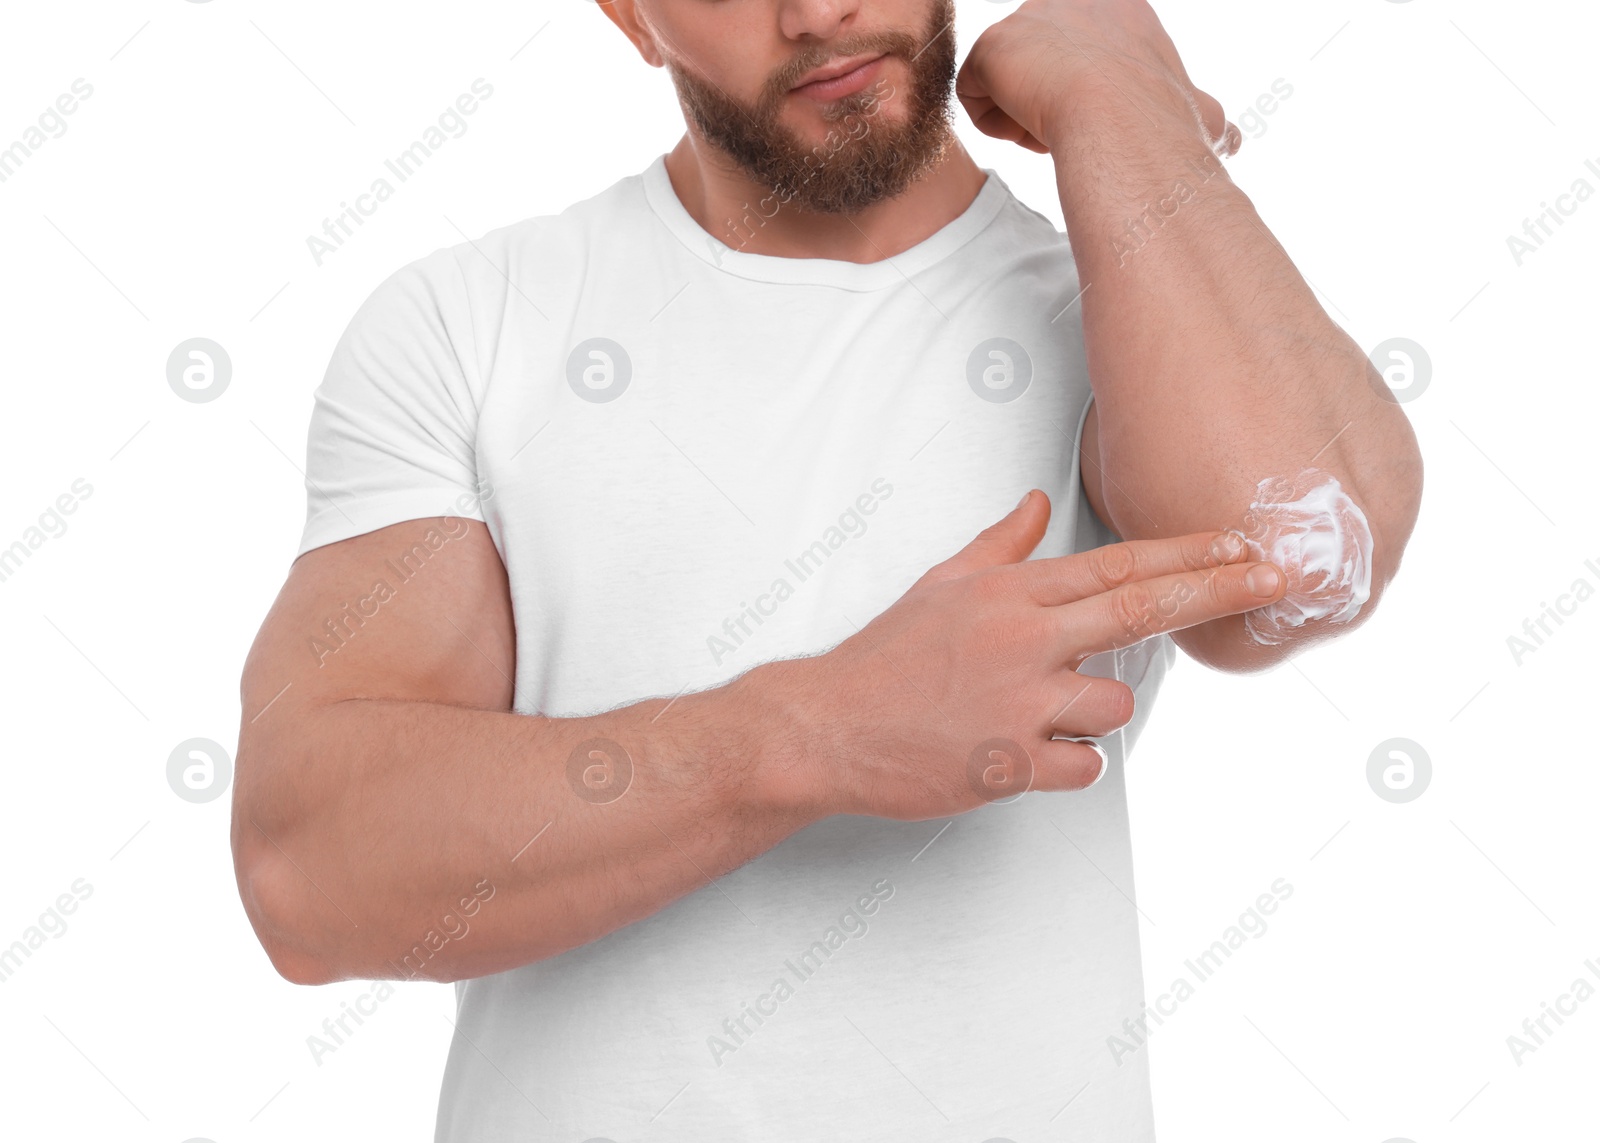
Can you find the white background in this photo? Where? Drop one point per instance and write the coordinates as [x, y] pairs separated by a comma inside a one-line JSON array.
[[219, 135]]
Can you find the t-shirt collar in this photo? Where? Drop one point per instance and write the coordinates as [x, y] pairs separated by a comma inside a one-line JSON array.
[[820, 271]]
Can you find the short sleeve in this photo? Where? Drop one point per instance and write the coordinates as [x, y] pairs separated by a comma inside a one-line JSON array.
[[394, 421]]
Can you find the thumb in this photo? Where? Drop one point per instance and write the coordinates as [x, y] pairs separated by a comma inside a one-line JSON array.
[[1010, 540]]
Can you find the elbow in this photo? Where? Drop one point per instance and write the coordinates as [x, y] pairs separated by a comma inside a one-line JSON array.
[[297, 968], [285, 909], [1231, 644], [272, 892], [1390, 494], [1330, 592], [273, 906], [1226, 645]]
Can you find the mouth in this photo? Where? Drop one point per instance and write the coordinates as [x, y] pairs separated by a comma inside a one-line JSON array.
[[841, 79]]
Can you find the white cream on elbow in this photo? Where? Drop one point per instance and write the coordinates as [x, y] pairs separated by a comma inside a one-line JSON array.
[[1310, 528]]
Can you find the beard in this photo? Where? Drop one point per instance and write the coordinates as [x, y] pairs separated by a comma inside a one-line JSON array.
[[865, 159]]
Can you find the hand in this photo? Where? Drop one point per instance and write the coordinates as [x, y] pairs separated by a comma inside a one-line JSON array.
[[950, 698], [1030, 72]]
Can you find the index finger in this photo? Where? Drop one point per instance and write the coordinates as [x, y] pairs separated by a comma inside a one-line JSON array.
[[1134, 612], [1065, 579]]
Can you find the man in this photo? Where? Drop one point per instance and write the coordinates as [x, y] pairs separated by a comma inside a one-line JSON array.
[[639, 671]]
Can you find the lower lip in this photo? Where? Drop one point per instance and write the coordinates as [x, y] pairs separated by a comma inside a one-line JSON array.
[[849, 83]]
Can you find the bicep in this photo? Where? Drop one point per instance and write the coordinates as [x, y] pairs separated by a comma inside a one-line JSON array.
[[418, 611]]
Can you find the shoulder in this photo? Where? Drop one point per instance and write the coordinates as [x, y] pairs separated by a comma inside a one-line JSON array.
[[541, 248], [464, 291]]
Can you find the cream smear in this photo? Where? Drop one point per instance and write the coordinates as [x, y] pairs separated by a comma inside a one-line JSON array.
[[1310, 528]]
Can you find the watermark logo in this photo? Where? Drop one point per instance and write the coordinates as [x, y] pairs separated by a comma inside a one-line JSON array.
[[50, 526], [1137, 232], [1399, 770], [1536, 1029], [999, 370], [599, 771], [199, 370], [1404, 367], [850, 524], [339, 630], [1250, 925], [450, 124], [199, 770], [851, 925], [1539, 229], [751, 217], [999, 771], [1536, 630], [452, 927], [599, 370], [336, 1029], [52, 124], [51, 924], [1253, 119]]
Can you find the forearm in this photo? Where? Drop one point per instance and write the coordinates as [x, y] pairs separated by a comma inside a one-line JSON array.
[[376, 827], [1212, 362]]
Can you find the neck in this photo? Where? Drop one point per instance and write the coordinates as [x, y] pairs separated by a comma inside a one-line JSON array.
[[714, 192]]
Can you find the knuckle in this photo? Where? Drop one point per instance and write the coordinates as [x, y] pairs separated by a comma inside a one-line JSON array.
[[1209, 553], [989, 646], [1181, 595], [1132, 608], [1218, 588], [939, 573], [1069, 699], [1113, 565], [990, 583], [1009, 636]]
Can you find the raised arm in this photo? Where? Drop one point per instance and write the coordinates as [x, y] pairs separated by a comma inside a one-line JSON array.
[[1214, 366]]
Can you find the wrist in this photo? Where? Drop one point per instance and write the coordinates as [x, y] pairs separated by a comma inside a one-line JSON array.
[[1126, 105], [1119, 137], [781, 755]]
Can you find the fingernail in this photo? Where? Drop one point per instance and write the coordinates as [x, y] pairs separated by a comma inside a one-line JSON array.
[[1105, 760], [1228, 546], [1024, 499], [1262, 580]]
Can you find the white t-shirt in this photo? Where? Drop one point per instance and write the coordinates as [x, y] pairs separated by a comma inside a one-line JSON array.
[[694, 459]]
